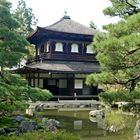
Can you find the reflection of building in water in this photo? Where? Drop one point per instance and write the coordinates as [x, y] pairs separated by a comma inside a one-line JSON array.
[[77, 124], [86, 127], [100, 122]]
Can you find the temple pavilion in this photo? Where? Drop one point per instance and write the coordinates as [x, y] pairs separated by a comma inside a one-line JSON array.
[[64, 57]]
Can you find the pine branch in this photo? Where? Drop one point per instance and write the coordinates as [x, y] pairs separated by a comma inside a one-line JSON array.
[[126, 1], [4, 79], [133, 51]]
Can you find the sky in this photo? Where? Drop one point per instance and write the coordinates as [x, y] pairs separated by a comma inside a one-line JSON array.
[[82, 11]]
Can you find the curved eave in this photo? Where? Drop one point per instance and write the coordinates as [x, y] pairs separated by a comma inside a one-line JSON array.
[[62, 67], [40, 32]]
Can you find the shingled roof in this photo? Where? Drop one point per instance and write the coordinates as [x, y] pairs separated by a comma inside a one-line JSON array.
[[67, 25]]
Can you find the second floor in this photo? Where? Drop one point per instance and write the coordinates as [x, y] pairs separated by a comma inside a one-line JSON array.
[[64, 40], [65, 50]]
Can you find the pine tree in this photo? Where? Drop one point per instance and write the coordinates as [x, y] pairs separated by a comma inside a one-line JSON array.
[[118, 51], [14, 90], [122, 8]]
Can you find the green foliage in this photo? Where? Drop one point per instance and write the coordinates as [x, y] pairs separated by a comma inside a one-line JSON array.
[[110, 97], [15, 92], [7, 122], [36, 94], [59, 135], [25, 18], [93, 79], [122, 8], [118, 51], [115, 119], [32, 52], [12, 45], [131, 107], [92, 25], [14, 89]]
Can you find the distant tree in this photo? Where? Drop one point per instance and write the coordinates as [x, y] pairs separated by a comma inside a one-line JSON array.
[[12, 45], [27, 20], [25, 17], [14, 90], [118, 51], [92, 25]]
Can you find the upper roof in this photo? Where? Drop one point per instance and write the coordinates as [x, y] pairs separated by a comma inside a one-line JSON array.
[[67, 25], [65, 28]]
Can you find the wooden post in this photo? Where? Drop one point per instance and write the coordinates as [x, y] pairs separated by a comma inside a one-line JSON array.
[[38, 75]]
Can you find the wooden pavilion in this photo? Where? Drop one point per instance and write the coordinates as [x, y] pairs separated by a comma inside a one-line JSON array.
[[64, 57]]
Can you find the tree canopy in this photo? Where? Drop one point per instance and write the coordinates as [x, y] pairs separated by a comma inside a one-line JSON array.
[[14, 89], [122, 8], [118, 51]]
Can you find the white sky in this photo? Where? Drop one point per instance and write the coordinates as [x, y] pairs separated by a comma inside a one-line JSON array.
[[82, 11]]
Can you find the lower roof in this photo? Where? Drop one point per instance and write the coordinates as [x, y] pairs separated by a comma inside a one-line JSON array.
[[62, 67]]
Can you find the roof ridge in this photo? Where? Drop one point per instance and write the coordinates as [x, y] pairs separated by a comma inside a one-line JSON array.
[[54, 23]]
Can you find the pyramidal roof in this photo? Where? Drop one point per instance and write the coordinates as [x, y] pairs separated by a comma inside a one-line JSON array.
[[67, 25]]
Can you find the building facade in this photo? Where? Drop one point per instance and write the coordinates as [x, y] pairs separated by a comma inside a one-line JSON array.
[[64, 57]]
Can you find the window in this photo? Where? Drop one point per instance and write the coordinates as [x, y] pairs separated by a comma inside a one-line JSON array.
[[74, 48], [51, 82], [41, 83], [62, 83], [32, 82], [38, 51], [89, 49], [59, 47], [78, 84], [47, 47]]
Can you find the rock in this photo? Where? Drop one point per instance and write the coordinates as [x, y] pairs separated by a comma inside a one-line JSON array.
[[39, 108], [19, 119], [2, 131], [52, 124], [27, 126], [44, 120], [137, 131], [96, 113], [30, 111], [52, 128], [10, 130], [112, 128]]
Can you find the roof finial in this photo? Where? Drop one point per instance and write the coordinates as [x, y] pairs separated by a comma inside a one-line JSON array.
[[65, 14]]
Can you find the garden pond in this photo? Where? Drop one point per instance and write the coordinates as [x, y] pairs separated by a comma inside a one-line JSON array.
[[80, 123]]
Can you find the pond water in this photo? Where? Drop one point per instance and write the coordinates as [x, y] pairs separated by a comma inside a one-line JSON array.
[[78, 122]]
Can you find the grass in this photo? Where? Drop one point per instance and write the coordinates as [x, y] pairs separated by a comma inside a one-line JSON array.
[[59, 135]]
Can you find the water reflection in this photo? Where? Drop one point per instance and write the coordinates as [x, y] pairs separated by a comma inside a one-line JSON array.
[[90, 128], [78, 122]]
